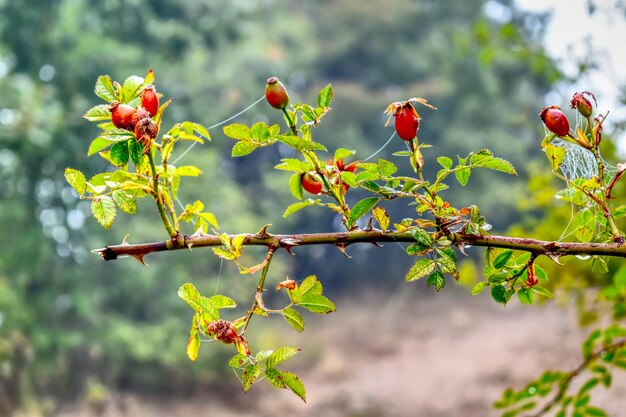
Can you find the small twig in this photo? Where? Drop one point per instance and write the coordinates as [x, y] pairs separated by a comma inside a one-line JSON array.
[[564, 385], [157, 197], [259, 289]]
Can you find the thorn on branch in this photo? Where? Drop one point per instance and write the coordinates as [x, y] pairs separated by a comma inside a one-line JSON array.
[[288, 244], [555, 256], [139, 259], [262, 234], [342, 248]]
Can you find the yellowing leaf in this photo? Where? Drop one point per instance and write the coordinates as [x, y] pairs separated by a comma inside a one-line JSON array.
[[76, 179], [103, 209], [381, 216], [420, 269], [193, 346]]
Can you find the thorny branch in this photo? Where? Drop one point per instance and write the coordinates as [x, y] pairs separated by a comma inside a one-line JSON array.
[[342, 239]]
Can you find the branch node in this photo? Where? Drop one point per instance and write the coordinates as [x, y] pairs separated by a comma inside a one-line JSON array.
[[552, 246]]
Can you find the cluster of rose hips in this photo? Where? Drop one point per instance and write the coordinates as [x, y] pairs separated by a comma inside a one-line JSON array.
[[333, 170], [138, 120], [277, 96], [557, 123]]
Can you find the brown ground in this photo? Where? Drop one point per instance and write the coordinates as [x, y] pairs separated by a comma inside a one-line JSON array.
[[442, 356]]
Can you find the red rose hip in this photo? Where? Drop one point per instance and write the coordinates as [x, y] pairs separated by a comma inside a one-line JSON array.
[[555, 120], [150, 100], [122, 115], [310, 183], [276, 94], [407, 122]]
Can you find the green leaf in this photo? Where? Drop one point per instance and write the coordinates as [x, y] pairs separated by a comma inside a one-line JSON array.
[[104, 88], [294, 384], [295, 185], [238, 131], [381, 216], [342, 153], [386, 168], [294, 319], [188, 292], [445, 162], [275, 377], [525, 295], [238, 360], [555, 155], [243, 148], [209, 218], [131, 88], [97, 145], [479, 287], [136, 151], [325, 96], [462, 175], [187, 171], [292, 164], [223, 254], [97, 113], [262, 355], [349, 178], [584, 223], [422, 236], [125, 201], [502, 259], [361, 208], [200, 304], [299, 206], [119, 153], [417, 249], [485, 159], [310, 286], [317, 304], [250, 374], [221, 301], [446, 260], [117, 135], [498, 293], [260, 132], [103, 209], [437, 280], [76, 179], [420, 269], [543, 291], [619, 212], [280, 355], [596, 412]]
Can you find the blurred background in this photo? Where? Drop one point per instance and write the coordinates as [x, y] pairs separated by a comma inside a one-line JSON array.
[[79, 336]]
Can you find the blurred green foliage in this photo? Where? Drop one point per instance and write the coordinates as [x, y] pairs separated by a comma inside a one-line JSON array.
[[65, 316]]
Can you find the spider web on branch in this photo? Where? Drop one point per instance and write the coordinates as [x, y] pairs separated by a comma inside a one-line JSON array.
[[578, 161]]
